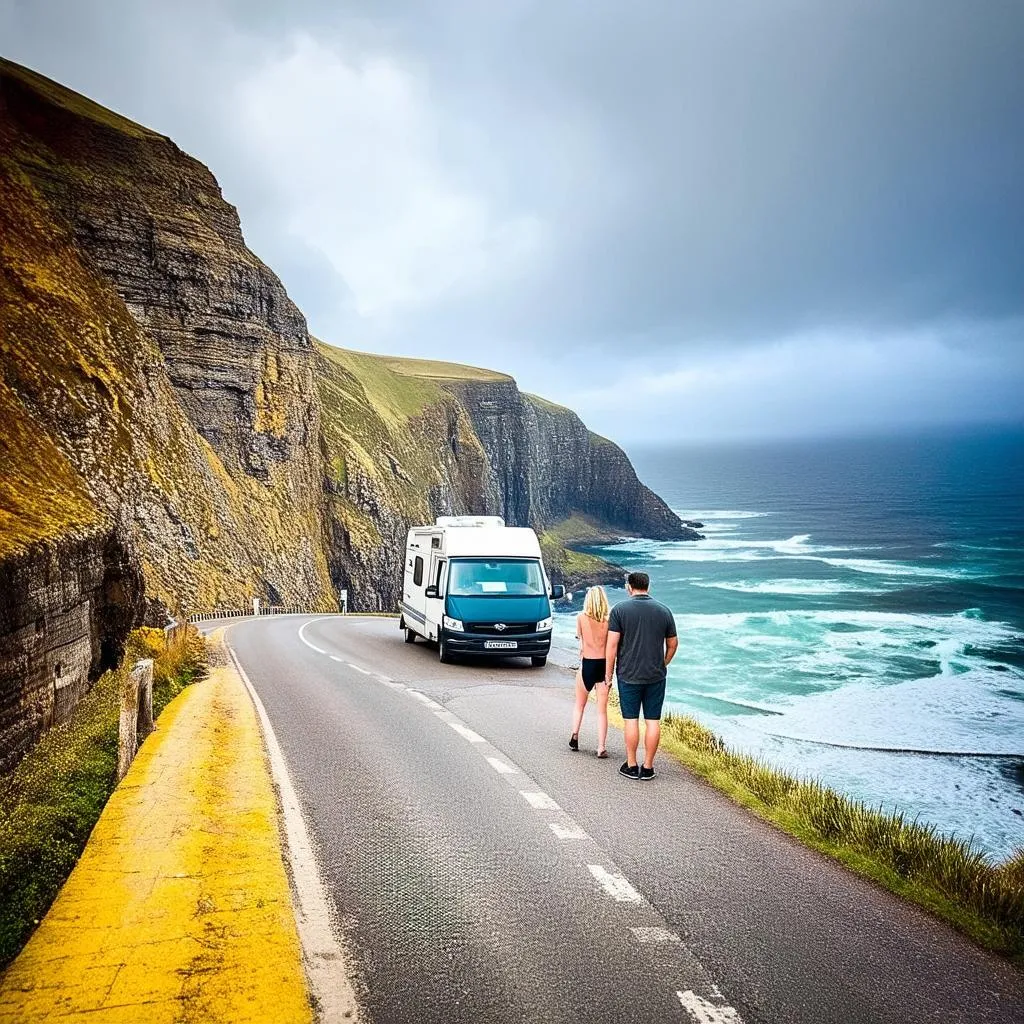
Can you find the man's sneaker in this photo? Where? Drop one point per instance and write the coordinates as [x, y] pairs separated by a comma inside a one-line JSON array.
[[630, 773], [646, 773]]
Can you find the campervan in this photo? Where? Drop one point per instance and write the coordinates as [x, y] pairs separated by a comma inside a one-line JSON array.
[[477, 586]]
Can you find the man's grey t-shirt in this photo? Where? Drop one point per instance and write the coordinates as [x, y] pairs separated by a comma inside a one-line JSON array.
[[643, 624]]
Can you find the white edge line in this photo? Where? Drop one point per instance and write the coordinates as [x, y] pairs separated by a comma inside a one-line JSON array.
[[324, 956], [365, 671], [334, 657]]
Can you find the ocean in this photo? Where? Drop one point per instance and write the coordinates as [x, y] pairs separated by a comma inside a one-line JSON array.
[[856, 614]]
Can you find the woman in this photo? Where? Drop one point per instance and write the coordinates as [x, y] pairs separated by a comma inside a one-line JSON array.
[[592, 632]]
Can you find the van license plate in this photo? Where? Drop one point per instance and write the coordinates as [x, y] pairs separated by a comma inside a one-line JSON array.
[[500, 645]]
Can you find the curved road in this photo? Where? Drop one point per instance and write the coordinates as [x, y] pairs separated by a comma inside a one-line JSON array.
[[482, 872]]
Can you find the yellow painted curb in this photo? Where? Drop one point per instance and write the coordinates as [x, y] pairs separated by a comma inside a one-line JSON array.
[[179, 909]]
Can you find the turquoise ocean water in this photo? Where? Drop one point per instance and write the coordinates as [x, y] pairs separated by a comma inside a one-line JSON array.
[[855, 600]]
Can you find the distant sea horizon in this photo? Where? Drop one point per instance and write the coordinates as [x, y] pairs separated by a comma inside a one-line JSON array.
[[855, 599]]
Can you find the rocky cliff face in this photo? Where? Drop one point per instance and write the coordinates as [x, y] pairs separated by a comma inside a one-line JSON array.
[[157, 354], [65, 612], [170, 434], [409, 440], [545, 466]]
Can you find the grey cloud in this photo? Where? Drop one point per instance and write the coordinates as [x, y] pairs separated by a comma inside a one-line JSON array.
[[708, 176]]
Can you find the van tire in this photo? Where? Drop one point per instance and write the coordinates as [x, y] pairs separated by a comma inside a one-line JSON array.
[[410, 636], [540, 661], [443, 653]]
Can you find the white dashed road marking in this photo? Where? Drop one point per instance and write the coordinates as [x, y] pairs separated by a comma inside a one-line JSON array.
[[652, 935], [466, 733], [703, 1012], [309, 643], [424, 699], [617, 886], [613, 883], [572, 832], [539, 801]]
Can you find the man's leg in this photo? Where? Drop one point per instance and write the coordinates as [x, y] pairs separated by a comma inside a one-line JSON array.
[[631, 728], [653, 702], [652, 737]]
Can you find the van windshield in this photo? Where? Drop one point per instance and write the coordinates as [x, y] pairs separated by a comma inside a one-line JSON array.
[[482, 577]]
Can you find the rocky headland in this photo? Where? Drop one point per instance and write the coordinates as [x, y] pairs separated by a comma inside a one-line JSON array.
[[172, 439]]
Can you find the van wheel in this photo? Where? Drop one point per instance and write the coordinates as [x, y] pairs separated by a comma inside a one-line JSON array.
[[410, 636], [443, 653], [540, 661]]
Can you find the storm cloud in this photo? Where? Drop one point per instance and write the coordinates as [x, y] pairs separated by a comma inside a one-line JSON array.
[[745, 219]]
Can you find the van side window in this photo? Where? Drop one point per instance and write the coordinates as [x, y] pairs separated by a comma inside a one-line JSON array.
[[417, 573]]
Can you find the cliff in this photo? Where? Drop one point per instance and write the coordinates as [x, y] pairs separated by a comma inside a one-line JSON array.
[[171, 437], [407, 440]]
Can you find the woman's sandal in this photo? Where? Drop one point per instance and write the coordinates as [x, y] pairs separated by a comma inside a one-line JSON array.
[[602, 753], [574, 741]]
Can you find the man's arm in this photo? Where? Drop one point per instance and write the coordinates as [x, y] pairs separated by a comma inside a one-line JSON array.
[[671, 646], [611, 652]]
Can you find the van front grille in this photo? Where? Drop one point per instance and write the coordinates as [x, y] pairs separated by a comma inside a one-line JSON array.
[[511, 628]]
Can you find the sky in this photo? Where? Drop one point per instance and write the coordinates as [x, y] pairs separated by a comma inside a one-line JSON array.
[[731, 219]]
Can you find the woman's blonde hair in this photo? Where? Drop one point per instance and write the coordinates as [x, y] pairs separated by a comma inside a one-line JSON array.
[[595, 604]]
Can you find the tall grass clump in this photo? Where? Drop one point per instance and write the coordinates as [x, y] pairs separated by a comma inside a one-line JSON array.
[[50, 802], [944, 874]]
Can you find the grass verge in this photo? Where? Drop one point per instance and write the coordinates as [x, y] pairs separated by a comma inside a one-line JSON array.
[[946, 876], [53, 798]]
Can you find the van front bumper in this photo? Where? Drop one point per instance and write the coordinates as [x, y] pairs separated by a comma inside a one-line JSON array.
[[527, 645]]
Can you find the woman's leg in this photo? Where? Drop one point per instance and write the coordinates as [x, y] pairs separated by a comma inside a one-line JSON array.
[[581, 703], [603, 689]]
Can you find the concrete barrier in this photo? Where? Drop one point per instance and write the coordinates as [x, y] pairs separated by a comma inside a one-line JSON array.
[[136, 714]]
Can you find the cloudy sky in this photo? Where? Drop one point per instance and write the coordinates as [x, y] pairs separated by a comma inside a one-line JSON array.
[[686, 219]]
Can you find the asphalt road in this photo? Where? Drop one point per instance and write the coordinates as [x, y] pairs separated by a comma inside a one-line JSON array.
[[481, 871]]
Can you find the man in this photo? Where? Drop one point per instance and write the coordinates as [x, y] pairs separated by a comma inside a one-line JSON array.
[[642, 638]]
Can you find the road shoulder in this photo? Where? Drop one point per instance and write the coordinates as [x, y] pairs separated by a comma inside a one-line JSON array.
[[180, 905]]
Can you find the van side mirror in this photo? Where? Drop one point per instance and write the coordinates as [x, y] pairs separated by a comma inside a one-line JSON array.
[[557, 592], [431, 591]]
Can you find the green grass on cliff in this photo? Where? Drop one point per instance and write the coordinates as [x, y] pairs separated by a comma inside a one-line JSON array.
[[72, 101], [376, 387], [946, 876], [436, 369], [53, 798], [578, 568]]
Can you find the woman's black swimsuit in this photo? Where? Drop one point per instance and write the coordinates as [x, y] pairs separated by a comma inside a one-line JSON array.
[[593, 672]]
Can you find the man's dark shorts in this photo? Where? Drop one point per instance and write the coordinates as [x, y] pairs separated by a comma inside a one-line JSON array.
[[633, 696]]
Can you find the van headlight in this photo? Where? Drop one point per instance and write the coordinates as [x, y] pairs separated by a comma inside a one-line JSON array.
[[545, 624], [455, 625]]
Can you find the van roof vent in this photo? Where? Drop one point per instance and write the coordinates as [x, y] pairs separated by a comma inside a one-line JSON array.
[[470, 521]]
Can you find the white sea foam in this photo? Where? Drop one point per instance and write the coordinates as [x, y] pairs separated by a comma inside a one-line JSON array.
[[793, 587], [881, 567], [705, 515], [721, 548]]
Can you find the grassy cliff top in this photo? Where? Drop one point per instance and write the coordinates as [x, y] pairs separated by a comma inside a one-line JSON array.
[[429, 369], [544, 403], [71, 101]]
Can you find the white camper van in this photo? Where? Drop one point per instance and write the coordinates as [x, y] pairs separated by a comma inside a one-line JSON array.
[[477, 586]]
